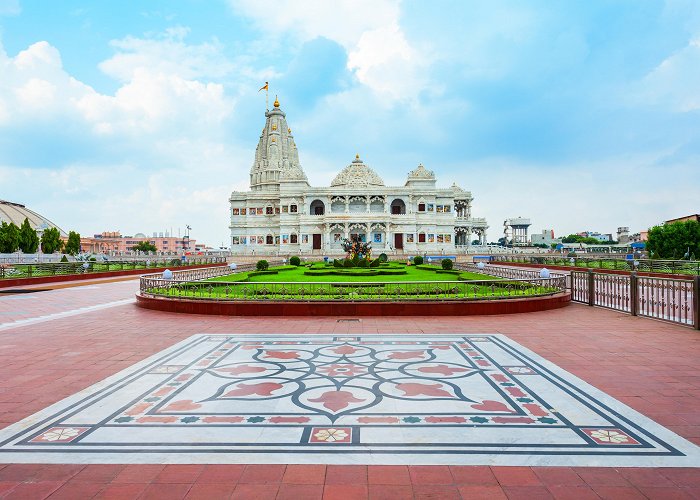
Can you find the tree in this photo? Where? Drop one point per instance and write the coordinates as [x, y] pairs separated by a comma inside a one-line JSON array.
[[72, 246], [572, 238], [51, 240], [144, 246], [673, 241], [9, 237], [28, 239]]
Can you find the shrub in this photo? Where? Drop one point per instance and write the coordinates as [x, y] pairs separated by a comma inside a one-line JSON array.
[[348, 263], [375, 263], [418, 260], [362, 263], [383, 257], [337, 263], [447, 263], [64, 259], [262, 265], [295, 261]]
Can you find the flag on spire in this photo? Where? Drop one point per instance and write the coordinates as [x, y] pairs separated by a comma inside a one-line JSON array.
[[264, 87]]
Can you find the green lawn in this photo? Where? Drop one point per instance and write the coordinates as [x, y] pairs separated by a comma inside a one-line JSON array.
[[290, 283], [296, 274]]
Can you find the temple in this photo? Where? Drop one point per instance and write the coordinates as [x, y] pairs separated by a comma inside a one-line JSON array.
[[282, 213]]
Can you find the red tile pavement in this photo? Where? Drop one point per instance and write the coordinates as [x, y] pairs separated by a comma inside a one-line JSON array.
[[649, 365]]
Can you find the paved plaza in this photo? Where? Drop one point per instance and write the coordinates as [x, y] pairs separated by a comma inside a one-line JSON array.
[[103, 399]]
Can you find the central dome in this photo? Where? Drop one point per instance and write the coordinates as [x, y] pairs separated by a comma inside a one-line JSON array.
[[357, 174]]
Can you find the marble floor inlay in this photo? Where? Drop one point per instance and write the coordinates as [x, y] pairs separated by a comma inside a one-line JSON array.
[[372, 399]]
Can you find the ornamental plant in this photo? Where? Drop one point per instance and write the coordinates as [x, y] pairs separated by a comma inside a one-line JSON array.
[[357, 249], [295, 261], [446, 264], [417, 260], [262, 265]]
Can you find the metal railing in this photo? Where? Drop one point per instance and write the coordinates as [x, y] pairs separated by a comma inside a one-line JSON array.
[[668, 299], [13, 271], [186, 284], [678, 267]]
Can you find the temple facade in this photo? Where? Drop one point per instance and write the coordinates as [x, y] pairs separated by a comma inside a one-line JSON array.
[[283, 214]]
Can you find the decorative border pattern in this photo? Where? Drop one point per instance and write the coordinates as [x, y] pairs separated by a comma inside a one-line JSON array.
[[430, 399]]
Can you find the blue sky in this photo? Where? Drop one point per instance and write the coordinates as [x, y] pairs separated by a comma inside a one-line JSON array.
[[143, 116]]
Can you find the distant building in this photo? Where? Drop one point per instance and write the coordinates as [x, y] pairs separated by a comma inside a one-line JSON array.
[[546, 237], [623, 234], [598, 236], [16, 213], [113, 241], [694, 217]]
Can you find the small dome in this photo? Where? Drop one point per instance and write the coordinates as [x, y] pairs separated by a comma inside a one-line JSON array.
[[292, 173], [357, 174], [16, 212], [139, 235], [421, 172]]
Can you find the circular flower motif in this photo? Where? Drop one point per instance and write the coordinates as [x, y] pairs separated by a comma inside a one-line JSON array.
[[331, 435], [609, 436], [342, 370], [61, 434]]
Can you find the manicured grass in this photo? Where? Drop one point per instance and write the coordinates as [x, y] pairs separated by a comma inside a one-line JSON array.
[[296, 275], [290, 283]]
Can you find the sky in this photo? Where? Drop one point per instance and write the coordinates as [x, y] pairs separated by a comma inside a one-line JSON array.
[[139, 116]]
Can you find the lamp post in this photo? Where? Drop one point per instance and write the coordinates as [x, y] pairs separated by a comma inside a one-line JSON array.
[[186, 238]]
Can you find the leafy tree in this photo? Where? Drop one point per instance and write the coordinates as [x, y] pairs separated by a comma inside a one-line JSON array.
[[673, 241], [51, 240], [72, 246], [28, 239], [144, 246], [9, 237]]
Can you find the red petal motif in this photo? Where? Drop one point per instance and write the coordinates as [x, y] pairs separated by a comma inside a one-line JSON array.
[[336, 400], [261, 389]]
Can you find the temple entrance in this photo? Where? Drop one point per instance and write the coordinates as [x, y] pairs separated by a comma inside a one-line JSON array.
[[317, 242], [398, 241]]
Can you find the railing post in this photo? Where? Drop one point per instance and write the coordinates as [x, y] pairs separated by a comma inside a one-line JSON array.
[[634, 291], [591, 288], [696, 302]]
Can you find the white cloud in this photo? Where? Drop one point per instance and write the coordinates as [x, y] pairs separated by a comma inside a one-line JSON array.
[[369, 30], [163, 126], [675, 83], [167, 54]]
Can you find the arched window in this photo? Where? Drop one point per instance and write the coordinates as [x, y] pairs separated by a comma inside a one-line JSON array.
[[398, 207], [317, 207]]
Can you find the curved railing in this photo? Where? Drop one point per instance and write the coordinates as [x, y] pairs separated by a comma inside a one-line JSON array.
[[188, 284], [88, 267], [620, 263]]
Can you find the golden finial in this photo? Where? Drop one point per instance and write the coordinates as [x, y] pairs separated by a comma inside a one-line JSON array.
[[276, 103], [274, 127], [289, 130], [357, 156]]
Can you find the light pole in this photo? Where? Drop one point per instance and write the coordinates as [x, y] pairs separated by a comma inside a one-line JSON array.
[[186, 239]]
